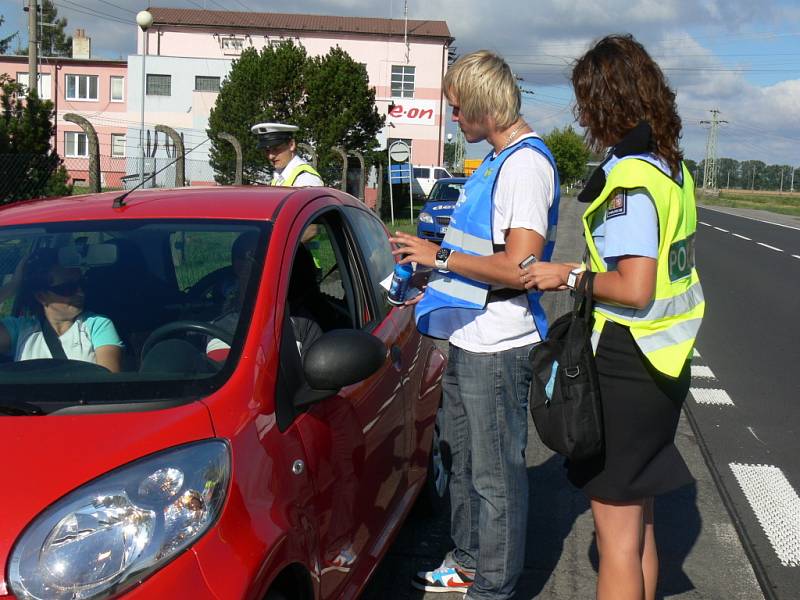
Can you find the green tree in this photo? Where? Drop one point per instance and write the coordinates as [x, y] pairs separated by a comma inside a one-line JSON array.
[[339, 110], [261, 87], [32, 166], [54, 42], [450, 155], [5, 42], [328, 97], [570, 152]]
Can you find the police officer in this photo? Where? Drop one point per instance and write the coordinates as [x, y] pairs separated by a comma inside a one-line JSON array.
[[290, 170]]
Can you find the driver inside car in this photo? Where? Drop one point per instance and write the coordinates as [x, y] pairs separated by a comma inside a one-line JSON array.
[[306, 330], [52, 298]]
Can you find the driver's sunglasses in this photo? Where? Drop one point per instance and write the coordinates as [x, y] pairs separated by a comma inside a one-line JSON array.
[[68, 288]]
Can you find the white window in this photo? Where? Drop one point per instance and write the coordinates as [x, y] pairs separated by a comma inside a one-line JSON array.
[[117, 144], [81, 87], [231, 45], [44, 84], [76, 144], [117, 88], [403, 81], [159, 85], [206, 84]]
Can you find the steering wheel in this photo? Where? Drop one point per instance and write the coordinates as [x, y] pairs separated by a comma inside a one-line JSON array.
[[209, 282], [177, 327]]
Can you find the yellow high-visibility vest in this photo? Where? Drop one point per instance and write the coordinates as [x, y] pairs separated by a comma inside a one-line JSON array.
[[292, 176], [665, 330]]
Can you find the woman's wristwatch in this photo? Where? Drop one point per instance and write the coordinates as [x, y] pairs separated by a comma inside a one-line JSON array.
[[442, 256], [572, 278]]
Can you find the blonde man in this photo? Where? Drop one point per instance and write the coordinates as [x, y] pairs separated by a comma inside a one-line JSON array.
[[476, 301]]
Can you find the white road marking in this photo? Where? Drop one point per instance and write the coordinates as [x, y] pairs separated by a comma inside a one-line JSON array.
[[744, 237], [776, 506], [702, 372], [711, 396], [795, 256], [750, 218], [753, 433], [696, 354], [721, 229], [768, 246], [704, 223]]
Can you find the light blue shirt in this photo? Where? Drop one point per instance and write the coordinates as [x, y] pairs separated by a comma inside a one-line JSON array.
[[628, 225]]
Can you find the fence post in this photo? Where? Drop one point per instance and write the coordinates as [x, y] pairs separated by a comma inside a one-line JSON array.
[[309, 149], [237, 147], [361, 179], [379, 198], [180, 163], [94, 149], [343, 153]]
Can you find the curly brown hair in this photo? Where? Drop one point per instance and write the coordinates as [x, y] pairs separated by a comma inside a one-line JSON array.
[[617, 85]]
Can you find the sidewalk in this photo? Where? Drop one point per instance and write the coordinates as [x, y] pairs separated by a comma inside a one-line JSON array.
[[701, 556]]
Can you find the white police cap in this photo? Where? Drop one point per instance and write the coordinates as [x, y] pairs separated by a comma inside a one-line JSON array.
[[273, 134]]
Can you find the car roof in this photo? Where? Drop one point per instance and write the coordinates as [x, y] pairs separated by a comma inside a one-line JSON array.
[[212, 202]]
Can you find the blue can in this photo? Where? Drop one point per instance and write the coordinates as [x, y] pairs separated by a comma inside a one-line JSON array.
[[400, 278]]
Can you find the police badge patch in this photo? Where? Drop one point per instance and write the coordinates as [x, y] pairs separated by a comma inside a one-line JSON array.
[[618, 205]]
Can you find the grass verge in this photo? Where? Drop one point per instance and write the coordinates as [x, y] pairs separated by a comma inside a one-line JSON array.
[[785, 204]]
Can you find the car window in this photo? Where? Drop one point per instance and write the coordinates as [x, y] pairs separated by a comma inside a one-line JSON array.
[[149, 288], [446, 191], [375, 249], [440, 174], [422, 173]]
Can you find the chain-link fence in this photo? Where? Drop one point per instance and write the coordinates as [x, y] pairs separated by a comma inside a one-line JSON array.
[[25, 176]]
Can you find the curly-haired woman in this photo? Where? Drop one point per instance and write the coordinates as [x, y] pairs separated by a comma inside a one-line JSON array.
[[639, 228]]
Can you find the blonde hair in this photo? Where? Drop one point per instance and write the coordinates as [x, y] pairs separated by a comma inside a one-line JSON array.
[[483, 86]]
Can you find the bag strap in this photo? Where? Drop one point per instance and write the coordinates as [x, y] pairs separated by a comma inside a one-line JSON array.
[[584, 297], [51, 339]]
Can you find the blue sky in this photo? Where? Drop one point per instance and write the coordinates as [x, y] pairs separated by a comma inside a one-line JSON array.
[[738, 56]]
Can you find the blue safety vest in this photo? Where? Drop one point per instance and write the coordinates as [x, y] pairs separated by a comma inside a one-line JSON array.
[[470, 231]]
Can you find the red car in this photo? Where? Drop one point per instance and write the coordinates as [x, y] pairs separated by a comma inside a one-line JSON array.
[[259, 427]]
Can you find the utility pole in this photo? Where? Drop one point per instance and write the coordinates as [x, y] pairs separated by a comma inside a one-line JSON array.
[[753, 181], [33, 46], [781, 179], [791, 187], [710, 167]]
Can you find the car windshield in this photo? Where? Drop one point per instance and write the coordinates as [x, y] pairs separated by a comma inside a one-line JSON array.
[[444, 191], [124, 311]]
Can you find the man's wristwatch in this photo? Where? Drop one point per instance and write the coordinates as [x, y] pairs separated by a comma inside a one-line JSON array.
[[442, 255], [572, 278]]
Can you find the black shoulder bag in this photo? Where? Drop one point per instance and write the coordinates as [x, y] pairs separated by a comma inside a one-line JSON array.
[[564, 396]]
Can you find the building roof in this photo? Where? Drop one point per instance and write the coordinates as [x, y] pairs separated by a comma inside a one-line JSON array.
[[297, 22], [45, 60]]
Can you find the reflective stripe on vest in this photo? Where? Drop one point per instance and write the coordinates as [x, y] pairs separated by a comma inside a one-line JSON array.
[[470, 232], [289, 179], [666, 328]]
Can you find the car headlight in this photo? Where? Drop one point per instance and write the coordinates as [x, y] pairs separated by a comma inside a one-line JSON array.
[[425, 218], [119, 528]]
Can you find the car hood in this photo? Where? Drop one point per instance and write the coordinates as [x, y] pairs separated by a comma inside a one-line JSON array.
[[46, 457]]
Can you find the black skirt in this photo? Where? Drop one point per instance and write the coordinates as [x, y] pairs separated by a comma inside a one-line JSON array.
[[641, 409]]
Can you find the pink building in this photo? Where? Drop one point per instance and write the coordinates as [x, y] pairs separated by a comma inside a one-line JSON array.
[[93, 88], [190, 51]]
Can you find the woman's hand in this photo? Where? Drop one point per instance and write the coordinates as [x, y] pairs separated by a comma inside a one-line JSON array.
[[414, 249], [546, 276]]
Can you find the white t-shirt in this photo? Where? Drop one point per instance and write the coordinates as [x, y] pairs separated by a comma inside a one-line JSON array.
[[522, 198]]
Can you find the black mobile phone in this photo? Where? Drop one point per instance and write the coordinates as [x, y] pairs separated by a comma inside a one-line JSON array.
[[528, 261]]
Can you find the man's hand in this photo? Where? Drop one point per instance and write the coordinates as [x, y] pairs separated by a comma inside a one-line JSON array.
[[414, 249]]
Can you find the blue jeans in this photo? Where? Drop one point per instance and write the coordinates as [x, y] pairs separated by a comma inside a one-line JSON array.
[[486, 428]]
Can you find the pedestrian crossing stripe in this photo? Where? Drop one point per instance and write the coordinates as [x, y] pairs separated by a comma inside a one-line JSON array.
[[711, 396], [776, 506], [695, 353], [702, 372]]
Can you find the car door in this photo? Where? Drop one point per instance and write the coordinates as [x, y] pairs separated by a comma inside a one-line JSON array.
[[355, 444]]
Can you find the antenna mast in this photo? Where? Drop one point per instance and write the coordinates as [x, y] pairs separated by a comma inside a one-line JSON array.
[[405, 30]]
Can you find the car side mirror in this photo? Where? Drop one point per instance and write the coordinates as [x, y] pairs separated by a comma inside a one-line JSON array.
[[339, 358]]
